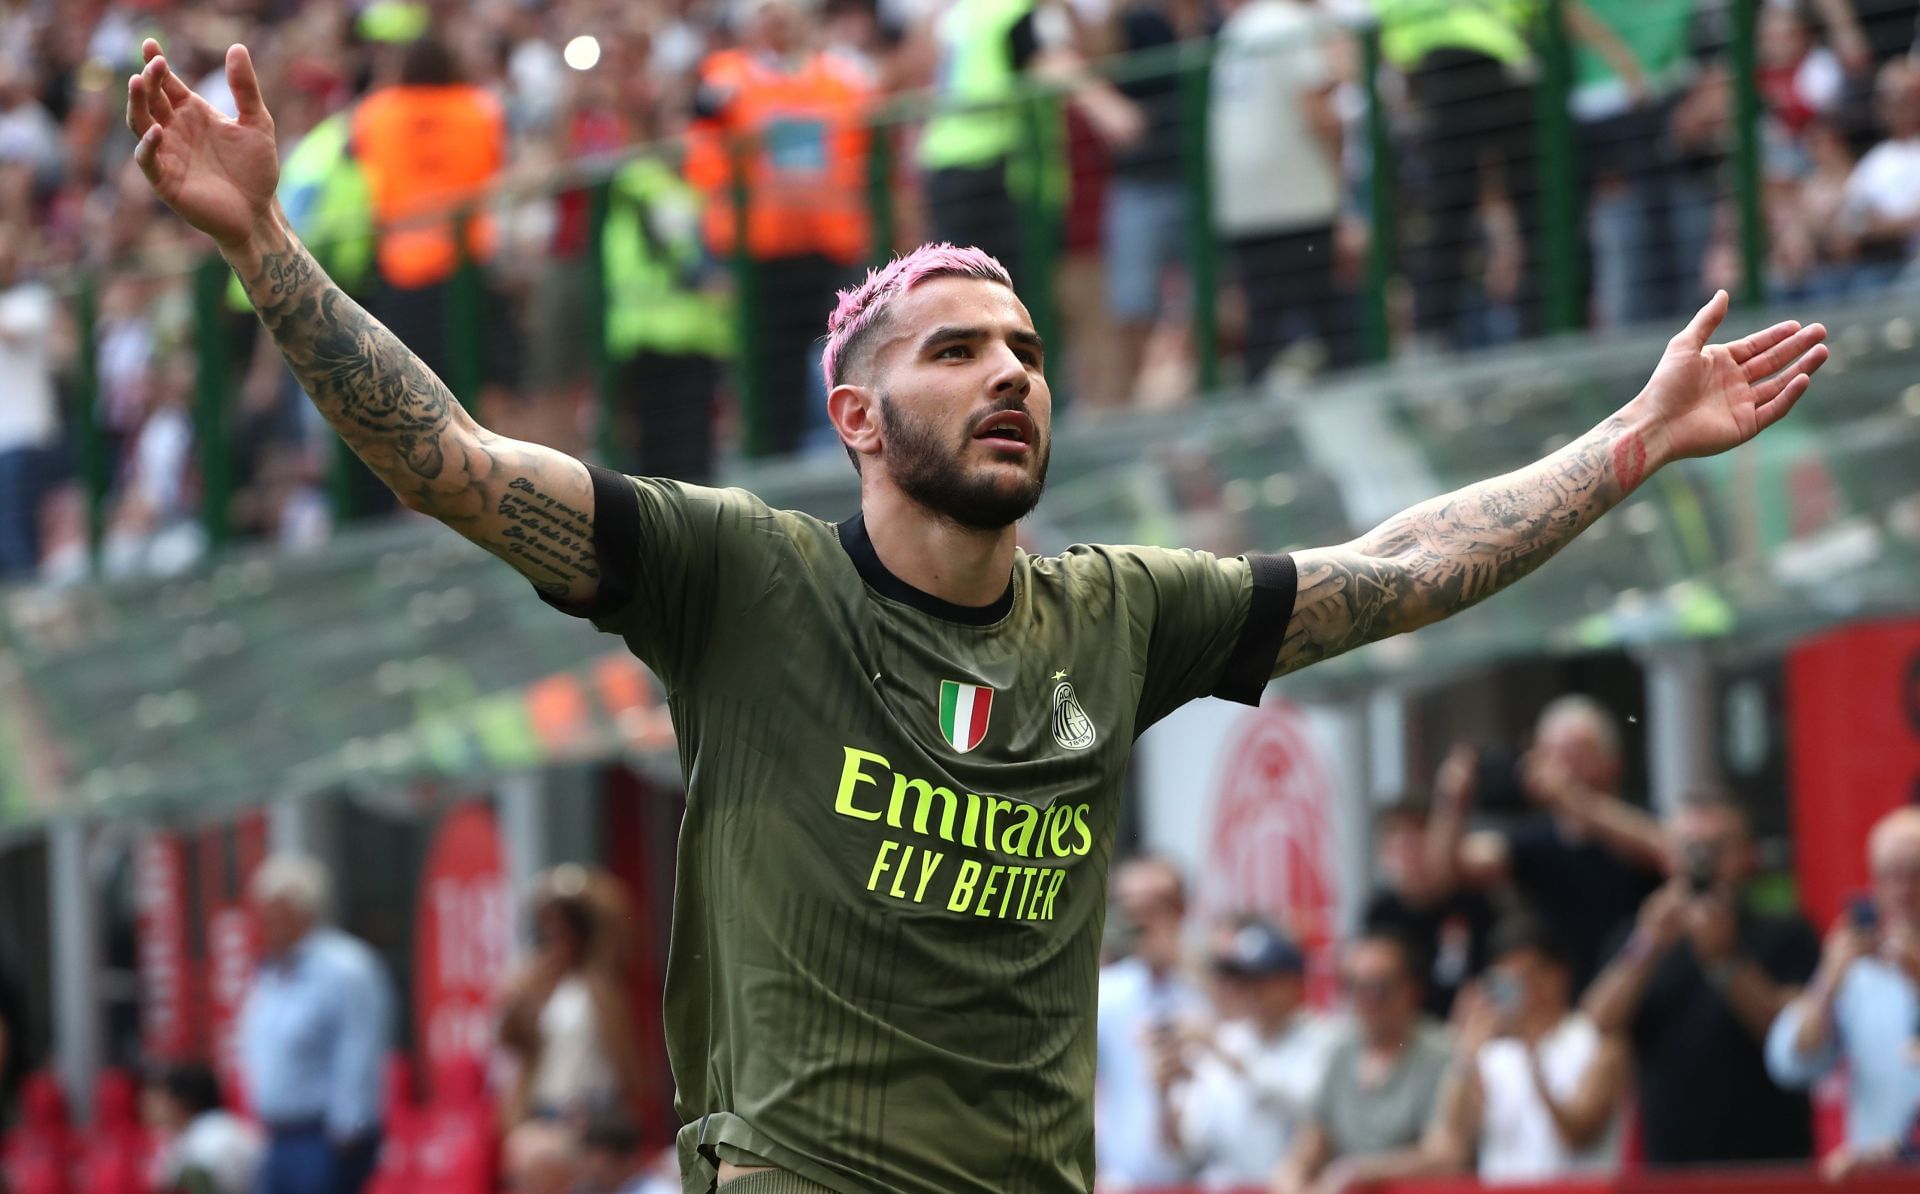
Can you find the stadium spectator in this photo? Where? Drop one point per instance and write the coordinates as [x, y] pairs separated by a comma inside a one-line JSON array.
[[314, 1034], [29, 406], [1275, 143], [151, 526], [542, 1159], [430, 142], [206, 1149], [1146, 220], [1863, 1002], [1586, 859], [1879, 229], [1446, 928], [1235, 1096], [565, 1017], [667, 324], [611, 1159], [1695, 986], [1536, 1089], [1382, 1082], [1146, 1003], [792, 115], [1649, 216]]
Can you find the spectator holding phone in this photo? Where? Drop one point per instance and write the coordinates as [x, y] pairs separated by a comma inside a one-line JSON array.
[[1863, 1004], [1536, 1086], [1695, 985], [1586, 860]]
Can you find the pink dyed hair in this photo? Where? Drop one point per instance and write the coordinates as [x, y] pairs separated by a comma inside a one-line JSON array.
[[863, 307]]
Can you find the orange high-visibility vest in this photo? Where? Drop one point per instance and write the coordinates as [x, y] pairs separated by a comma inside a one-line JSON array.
[[805, 152], [425, 150]]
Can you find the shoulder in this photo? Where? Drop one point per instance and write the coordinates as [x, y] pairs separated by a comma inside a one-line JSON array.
[[346, 956], [1121, 982], [1431, 1048]]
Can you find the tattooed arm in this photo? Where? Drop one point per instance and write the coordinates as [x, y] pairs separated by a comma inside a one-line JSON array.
[[529, 505], [1454, 551]]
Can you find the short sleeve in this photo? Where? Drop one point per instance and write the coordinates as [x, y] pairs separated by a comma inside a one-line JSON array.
[[1212, 627], [660, 545]]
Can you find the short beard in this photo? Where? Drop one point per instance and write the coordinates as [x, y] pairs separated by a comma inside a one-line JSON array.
[[936, 480]]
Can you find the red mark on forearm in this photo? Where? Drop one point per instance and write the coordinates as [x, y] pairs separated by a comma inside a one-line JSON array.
[[1630, 461]]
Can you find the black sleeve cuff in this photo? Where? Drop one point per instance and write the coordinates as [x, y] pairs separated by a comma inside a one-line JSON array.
[[616, 546], [1269, 609]]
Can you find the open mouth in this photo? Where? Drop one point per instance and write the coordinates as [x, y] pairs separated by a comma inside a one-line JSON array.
[[1008, 427]]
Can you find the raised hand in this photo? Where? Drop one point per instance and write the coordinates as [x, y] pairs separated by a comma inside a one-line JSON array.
[[218, 174], [1706, 398]]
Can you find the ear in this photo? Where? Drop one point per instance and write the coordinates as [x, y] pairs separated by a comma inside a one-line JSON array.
[[855, 411]]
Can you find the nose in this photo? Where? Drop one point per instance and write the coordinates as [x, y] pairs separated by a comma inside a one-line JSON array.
[[1010, 376]]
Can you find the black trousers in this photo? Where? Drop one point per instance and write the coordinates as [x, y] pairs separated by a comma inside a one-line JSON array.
[[664, 424], [1472, 115], [796, 296], [1287, 278]]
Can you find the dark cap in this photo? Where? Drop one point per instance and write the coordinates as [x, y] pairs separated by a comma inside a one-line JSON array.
[[1258, 950]]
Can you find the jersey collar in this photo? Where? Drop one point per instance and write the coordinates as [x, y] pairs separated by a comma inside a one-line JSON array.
[[866, 561]]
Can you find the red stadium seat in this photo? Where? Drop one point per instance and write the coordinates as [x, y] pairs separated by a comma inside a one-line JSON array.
[[38, 1155], [118, 1158]]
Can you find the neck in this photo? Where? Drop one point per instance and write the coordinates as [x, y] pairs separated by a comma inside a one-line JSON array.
[[1540, 1023], [937, 555], [1270, 1024], [1389, 1041]]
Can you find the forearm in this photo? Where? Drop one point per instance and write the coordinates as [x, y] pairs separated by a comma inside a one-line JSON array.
[[1455, 551], [1816, 1019], [1615, 995], [529, 505], [1627, 831]]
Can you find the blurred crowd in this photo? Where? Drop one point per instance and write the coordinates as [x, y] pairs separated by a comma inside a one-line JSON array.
[[1571, 989], [840, 124]]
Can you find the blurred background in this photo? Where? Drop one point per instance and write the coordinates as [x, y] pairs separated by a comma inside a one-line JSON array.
[[1299, 263]]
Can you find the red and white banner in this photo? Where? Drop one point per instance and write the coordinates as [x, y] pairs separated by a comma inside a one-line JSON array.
[[164, 966], [462, 939]]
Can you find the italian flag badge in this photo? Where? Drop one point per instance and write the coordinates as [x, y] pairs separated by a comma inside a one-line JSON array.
[[963, 713]]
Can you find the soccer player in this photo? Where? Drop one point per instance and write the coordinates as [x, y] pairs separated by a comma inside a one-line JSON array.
[[904, 738]]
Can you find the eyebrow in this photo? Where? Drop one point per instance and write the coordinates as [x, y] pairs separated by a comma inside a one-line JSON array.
[[1021, 337]]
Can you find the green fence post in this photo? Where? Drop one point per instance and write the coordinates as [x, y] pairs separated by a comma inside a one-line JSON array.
[[466, 299], [1038, 216], [1382, 246], [1746, 155], [748, 367], [211, 400], [605, 437], [880, 211], [1203, 248], [1559, 197], [95, 471]]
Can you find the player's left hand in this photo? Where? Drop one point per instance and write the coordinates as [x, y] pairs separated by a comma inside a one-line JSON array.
[[1705, 398]]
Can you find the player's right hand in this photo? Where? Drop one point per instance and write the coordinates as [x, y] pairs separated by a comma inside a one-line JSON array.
[[218, 174]]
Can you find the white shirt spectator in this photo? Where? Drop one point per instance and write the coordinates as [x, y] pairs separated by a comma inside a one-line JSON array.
[[1886, 182], [225, 1148], [29, 407], [1131, 1148], [1271, 174], [1874, 1014], [1239, 1113], [1518, 1139], [574, 1072]]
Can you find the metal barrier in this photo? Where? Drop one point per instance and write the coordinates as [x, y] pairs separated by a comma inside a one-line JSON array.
[[1168, 247]]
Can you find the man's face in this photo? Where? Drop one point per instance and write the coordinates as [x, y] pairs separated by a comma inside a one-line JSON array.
[[282, 924], [1149, 896], [1716, 833], [1401, 852], [1383, 995], [965, 413], [1578, 747], [1896, 879]]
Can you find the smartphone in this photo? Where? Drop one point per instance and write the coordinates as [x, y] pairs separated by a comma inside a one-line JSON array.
[[1503, 992], [1703, 867], [1862, 913]]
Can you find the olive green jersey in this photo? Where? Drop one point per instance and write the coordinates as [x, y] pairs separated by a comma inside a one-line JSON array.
[[892, 871]]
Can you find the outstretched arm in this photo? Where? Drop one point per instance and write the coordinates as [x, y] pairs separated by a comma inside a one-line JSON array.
[[1454, 551], [529, 505]]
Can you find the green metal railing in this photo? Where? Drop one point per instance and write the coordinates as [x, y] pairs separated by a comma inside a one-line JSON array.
[[1039, 111]]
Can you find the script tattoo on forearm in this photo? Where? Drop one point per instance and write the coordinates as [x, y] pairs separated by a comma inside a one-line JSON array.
[[408, 427], [1457, 550]]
